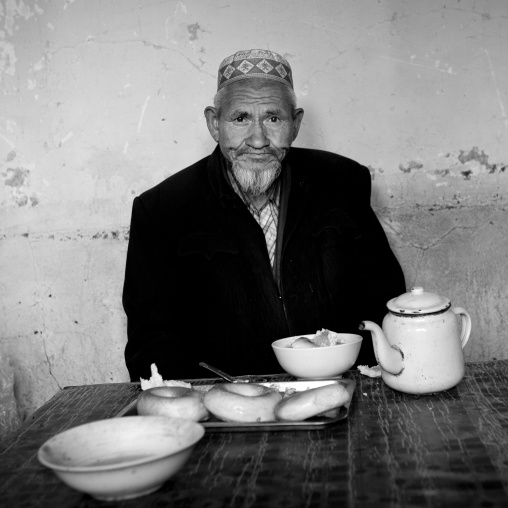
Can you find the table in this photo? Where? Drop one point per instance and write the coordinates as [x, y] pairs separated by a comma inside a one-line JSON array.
[[394, 450]]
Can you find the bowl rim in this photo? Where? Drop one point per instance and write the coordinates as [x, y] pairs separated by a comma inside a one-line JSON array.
[[308, 335], [200, 431]]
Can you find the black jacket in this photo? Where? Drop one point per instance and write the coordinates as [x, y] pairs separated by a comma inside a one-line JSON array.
[[198, 281]]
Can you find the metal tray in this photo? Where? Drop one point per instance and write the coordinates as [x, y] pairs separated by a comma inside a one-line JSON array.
[[318, 422]]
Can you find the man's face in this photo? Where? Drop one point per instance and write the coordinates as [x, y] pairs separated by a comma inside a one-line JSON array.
[[255, 129]]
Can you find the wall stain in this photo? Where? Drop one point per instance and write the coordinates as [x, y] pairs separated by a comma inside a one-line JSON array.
[[111, 235], [121, 234], [438, 208], [482, 158], [16, 177], [411, 165], [467, 174], [474, 155], [472, 162], [193, 31]]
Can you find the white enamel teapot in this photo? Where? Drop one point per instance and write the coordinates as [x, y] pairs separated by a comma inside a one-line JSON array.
[[419, 347]]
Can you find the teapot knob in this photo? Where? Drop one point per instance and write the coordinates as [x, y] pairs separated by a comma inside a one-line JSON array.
[[417, 290]]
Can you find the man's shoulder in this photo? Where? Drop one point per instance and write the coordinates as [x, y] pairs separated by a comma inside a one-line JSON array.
[[178, 183], [322, 164]]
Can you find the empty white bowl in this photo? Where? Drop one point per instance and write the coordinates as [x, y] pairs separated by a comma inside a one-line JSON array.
[[319, 362], [121, 458]]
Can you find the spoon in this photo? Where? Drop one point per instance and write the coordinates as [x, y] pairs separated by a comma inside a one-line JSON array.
[[222, 374]]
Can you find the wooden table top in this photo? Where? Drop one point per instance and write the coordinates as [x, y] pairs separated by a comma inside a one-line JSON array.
[[394, 450]]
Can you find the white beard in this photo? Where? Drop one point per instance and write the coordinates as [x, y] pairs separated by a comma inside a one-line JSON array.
[[254, 180]]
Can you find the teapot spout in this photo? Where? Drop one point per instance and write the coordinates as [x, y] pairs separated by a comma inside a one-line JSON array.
[[390, 358]]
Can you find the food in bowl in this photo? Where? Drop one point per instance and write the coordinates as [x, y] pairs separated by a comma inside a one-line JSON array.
[[322, 338], [320, 362]]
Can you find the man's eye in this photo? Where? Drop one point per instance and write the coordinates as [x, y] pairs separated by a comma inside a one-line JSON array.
[[273, 119], [239, 119]]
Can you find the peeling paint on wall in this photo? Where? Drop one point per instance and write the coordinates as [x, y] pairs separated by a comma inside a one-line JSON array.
[[470, 163], [119, 234], [7, 58], [482, 158], [412, 165], [17, 178], [193, 31], [14, 10], [10, 11]]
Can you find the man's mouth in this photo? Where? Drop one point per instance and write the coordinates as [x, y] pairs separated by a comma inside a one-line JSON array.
[[258, 155]]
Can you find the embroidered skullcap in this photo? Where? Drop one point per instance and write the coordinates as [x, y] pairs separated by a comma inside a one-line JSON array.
[[254, 63]]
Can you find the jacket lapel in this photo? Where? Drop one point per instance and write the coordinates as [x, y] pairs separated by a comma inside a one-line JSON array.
[[297, 199]]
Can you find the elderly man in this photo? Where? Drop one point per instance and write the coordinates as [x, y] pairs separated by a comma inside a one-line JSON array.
[[256, 242]]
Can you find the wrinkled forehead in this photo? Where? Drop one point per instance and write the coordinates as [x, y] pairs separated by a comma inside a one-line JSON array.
[[256, 92]]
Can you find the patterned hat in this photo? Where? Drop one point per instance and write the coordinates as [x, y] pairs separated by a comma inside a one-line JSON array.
[[254, 63]]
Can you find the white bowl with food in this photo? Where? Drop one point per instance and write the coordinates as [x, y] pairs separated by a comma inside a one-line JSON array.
[[121, 458], [321, 355]]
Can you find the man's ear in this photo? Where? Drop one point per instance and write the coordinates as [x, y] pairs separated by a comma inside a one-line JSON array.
[[212, 122], [297, 121]]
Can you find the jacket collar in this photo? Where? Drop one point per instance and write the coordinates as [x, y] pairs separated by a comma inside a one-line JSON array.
[[217, 177]]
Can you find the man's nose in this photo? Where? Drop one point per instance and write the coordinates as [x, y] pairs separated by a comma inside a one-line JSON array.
[[257, 135]]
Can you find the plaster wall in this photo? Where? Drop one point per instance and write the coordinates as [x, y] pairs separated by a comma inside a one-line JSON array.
[[100, 100]]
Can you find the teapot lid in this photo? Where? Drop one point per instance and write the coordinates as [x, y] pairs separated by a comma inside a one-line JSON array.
[[418, 302]]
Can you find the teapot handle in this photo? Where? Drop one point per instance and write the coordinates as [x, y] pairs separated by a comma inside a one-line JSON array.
[[466, 324]]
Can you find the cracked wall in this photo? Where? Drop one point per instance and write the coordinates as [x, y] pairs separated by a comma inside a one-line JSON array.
[[101, 100]]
